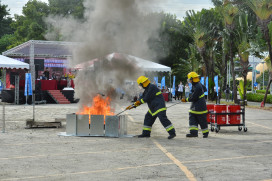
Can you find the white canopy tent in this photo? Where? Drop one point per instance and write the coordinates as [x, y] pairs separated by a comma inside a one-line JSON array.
[[146, 65], [10, 63]]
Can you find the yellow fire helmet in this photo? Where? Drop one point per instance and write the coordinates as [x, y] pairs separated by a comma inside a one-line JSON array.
[[193, 76], [143, 81]]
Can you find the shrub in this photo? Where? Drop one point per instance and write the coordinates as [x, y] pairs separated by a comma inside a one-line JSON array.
[[262, 91], [258, 98]]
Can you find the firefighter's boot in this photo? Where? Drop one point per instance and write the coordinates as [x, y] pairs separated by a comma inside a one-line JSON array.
[[172, 133], [143, 136], [191, 135], [205, 135], [172, 136]]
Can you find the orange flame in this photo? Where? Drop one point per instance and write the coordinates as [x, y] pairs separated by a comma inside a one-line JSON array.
[[100, 106]]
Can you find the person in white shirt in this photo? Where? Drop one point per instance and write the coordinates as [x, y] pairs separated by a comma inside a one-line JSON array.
[[180, 90], [187, 91]]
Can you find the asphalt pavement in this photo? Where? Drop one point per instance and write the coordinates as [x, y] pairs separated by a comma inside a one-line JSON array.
[[41, 154]]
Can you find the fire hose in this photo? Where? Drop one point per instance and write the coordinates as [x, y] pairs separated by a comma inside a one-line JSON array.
[[133, 106], [128, 108]]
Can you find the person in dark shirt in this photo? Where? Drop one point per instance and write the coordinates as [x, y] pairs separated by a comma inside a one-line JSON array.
[[46, 73]]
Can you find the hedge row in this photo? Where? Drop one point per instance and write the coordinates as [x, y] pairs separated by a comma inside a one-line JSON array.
[[258, 97], [262, 91]]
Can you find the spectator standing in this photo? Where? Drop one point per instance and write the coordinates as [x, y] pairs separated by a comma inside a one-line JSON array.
[[176, 92], [163, 90], [215, 93], [180, 90], [166, 89], [187, 91], [227, 92]]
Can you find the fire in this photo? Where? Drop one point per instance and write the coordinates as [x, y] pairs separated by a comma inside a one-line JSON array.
[[100, 106]]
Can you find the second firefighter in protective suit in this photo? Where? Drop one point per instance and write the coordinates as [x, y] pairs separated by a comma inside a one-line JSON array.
[[198, 110], [154, 98]]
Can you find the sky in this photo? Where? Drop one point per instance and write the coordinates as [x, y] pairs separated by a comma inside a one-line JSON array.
[[178, 7]]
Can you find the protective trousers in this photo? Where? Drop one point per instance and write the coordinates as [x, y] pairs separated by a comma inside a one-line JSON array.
[[149, 121], [198, 119]]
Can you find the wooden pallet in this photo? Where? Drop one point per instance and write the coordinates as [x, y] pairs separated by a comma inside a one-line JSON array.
[[34, 124]]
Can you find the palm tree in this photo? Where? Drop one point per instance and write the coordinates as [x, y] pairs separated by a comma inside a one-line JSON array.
[[263, 11], [193, 58], [203, 29], [229, 12], [243, 48]]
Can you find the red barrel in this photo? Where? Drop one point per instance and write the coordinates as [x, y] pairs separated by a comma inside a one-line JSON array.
[[234, 119], [210, 108], [220, 108]]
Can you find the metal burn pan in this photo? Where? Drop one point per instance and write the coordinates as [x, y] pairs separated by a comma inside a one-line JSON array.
[[83, 125], [78, 125], [97, 125], [71, 121], [123, 125], [112, 126]]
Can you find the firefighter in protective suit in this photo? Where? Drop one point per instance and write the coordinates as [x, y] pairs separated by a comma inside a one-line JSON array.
[[154, 98], [198, 110]]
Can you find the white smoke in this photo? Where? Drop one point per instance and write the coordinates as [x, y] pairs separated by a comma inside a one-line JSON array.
[[122, 26]]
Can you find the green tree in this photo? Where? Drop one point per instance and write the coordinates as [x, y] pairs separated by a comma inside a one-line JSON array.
[[194, 58], [263, 11], [204, 28], [6, 41], [243, 45], [230, 12], [217, 2], [170, 46], [66, 8], [5, 21], [31, 25]]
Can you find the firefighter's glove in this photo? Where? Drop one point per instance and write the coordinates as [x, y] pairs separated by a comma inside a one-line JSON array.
[[130, 107], [137, 103], [183, 100]]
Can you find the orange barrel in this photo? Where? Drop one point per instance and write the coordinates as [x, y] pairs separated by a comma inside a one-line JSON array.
[[234, 119], [210, 108], [220, 108]]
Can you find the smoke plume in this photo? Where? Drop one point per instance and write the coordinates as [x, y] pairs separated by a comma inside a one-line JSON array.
[[122, 26]]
